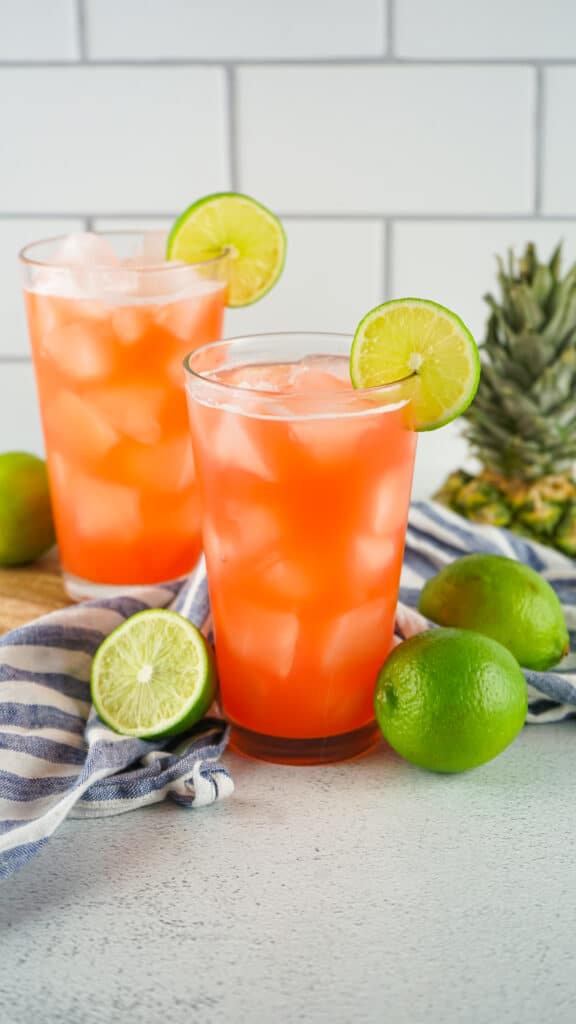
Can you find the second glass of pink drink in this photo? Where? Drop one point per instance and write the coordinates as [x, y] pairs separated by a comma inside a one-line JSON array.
[[110, 324], [306, 486]]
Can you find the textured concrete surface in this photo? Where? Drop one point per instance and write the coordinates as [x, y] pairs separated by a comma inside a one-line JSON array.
[[356, 894]]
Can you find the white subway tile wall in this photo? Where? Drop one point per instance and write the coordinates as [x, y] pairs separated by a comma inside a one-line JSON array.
[[404, 143], [387, 139], [485, 29], [560, 146], [19, 415], [39, 30], [110, 140], [232, 29]]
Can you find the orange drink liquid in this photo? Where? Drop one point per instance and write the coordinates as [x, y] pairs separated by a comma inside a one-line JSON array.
[[305, 486], [108, 343]]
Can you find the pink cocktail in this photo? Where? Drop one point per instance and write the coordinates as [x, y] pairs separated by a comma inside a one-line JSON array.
[[305, 486], [110, 323]]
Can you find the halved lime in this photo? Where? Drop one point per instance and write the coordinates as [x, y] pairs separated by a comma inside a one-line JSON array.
[[153, 675], [420, 337], [251, 235]]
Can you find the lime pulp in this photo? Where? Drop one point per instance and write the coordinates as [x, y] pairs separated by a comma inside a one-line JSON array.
[[230, 223], [153, 675], [425, 342]]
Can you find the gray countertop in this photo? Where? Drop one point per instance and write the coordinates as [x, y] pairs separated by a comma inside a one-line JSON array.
[[351, 894]]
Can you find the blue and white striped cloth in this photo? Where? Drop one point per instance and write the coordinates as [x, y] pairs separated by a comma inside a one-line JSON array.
[[57, 758]]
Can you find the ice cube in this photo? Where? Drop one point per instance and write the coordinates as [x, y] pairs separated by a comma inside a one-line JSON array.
[[234, 443], [359, 635], [163, 280], [83, 350], [330, 439], [334, 367], [132, 411], [266, 640], [275, 377], [76, 427], [243, 532], [284, 581], [372, 560], [99, 508], [156, 274], [85, 249], [80, 310], [315, 373], [166, 466], [130, 323], [182, 318], [151, 250], [86, 266], [256, 528], [76, 259], [322, 373], [103, 507], [390, 499]]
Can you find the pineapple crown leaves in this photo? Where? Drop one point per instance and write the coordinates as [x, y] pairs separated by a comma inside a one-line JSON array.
[[523, 420]]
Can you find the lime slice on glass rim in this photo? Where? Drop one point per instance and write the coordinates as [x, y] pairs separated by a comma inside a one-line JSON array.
[[422, 338], [153, 676], [251, 235]]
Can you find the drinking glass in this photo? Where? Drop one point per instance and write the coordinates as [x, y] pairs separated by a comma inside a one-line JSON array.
[[305, 487], [110, 323]]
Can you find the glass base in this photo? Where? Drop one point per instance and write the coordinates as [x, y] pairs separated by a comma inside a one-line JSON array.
[[344, 747], [85, 590]]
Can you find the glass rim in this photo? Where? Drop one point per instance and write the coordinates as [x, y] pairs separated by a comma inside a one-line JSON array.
[[25, 257], [238, 389]]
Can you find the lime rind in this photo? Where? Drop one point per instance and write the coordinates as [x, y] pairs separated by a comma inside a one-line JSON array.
[[420, 337], [238, 224], [26, 520], [450, 700], [153, 675]]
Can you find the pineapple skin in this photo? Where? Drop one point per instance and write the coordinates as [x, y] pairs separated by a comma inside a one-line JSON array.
[[522, 424], [543, 510]]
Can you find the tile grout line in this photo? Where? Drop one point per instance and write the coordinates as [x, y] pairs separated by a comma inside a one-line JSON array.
[[305, 62], [81, 31], [376, 215], [390, 28], [387, 249], [539, 137], [232, 111]]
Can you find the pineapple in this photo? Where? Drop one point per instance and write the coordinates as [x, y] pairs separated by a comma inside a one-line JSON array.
[[522, 424]]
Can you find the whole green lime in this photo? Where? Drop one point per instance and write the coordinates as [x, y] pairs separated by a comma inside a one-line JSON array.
[[503, 599], [26, 525], [450, 699]]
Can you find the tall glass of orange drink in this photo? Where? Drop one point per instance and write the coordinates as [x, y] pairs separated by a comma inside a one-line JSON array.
[[305, 485], [110, 323]]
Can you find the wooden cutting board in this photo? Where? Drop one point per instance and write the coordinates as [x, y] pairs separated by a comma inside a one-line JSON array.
[[30, 591]]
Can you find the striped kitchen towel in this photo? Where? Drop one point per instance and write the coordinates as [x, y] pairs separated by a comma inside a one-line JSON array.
[[57, 758]]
